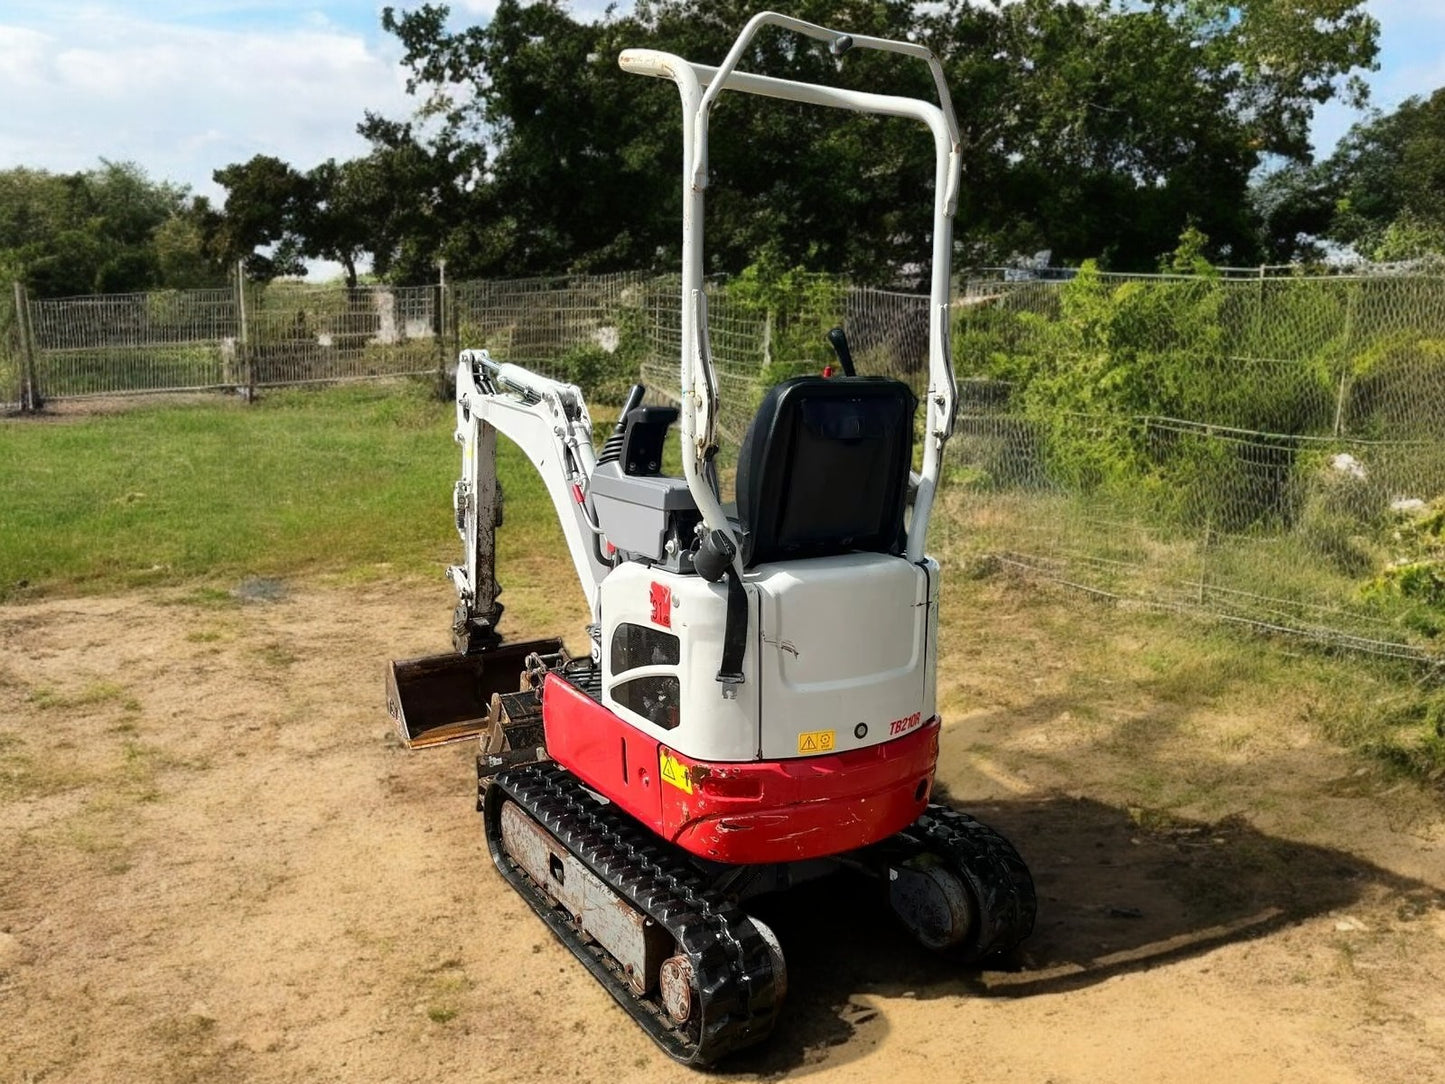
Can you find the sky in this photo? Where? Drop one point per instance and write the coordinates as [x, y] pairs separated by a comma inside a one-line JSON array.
[[184, 87], [1412, 61]]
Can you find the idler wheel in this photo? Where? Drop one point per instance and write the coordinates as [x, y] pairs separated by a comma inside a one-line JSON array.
[[675, 981], [934, 903]]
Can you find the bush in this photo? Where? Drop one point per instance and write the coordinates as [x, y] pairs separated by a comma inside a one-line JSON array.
[[803, 307], [1411, 587], [1125, 382], [1396, 386], [603, 376]]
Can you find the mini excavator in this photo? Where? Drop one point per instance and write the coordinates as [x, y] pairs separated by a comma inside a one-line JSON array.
[[757, 705]]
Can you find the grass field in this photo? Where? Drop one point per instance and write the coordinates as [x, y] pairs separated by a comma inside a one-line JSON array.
[[354, 483], [339, 481]]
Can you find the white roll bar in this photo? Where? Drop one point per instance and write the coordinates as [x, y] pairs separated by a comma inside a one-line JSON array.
[[699, 381]]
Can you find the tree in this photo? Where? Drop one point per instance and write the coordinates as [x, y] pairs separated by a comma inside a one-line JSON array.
[[1381, 193], [571, 185], [264, 196], [586, 173], [433, 202], [1106, 129], [1278, 59], [1388, 176], [336, 210], [383, 208], [182, 251], [1092, 128], [87, 232], [1295, 208]]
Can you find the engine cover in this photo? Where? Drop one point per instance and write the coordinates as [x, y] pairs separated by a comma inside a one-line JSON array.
[[839, 656]]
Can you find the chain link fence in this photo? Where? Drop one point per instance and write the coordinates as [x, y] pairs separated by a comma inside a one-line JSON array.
[[243, 337], [1267, 449], [1271, 452], [554, 326], [756, 342], [740, 341], [114, 344], [304, 334]]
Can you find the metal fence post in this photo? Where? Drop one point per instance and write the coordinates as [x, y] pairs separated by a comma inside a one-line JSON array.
[[30, 397], [1345, 360], [1259, 312], [243, 342], [13, 346], [441, 329]]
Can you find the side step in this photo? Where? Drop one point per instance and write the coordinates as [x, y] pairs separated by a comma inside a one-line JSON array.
[[438, 699]]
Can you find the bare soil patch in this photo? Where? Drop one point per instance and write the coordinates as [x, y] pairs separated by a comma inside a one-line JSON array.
[[216, 863]]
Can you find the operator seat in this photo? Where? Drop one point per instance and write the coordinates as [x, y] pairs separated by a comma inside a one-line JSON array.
[[823, 469]]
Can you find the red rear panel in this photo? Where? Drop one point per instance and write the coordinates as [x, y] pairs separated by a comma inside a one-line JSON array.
[[616, 760], [806, 807], [749, 813]]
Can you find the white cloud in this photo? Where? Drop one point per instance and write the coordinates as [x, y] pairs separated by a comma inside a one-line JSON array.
[[22, 53], [183, 100]]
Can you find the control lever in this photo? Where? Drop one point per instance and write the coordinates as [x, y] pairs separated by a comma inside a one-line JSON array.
[[635, 395], [838, 340], [612, 446]]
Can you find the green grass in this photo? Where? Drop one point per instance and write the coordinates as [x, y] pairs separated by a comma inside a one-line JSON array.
[[310, 481]]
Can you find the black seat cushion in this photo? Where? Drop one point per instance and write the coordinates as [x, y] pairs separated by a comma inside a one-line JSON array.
[[824, 466]]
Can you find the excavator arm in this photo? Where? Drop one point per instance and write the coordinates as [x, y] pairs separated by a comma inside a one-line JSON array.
[[548, 421], [448, 697]]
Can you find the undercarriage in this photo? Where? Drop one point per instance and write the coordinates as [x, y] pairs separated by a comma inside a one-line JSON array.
[[669, 935]]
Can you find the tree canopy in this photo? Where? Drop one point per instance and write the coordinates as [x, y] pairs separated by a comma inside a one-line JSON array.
[[107, 230], [1091, 128], [1381, 193]]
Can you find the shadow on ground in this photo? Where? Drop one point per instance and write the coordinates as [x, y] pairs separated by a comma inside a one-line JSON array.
[[1118, 892]]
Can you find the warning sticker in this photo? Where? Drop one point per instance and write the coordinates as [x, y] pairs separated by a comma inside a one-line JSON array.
[[816, 741], [674, 771]]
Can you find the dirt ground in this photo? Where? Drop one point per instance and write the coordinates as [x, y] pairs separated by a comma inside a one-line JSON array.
[[216, 863]]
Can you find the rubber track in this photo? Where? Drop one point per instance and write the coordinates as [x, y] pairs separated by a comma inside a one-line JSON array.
[[999, 878], [735, 999]]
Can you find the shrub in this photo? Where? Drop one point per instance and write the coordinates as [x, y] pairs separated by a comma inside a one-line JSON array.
[[1132, 385], [802, 306], [1411, 586]]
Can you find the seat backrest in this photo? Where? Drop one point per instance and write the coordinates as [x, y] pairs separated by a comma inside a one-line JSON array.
[[823, 468]]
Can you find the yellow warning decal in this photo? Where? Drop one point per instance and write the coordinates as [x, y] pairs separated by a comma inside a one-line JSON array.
[[674, 771], [816, 741]]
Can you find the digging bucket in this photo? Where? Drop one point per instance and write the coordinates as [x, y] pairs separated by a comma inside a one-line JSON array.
[[445, 698]]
